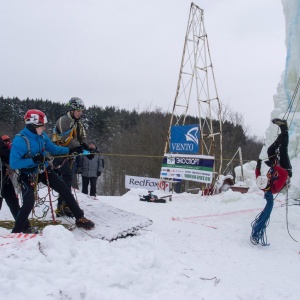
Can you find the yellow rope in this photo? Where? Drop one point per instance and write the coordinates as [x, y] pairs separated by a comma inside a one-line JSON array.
[[128, 155]]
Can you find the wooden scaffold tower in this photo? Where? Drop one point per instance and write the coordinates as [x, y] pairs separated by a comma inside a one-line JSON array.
[[196, 92]]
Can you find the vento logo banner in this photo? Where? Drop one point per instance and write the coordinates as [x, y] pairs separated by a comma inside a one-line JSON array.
[[150, 184], [185, 139], [187, 167]]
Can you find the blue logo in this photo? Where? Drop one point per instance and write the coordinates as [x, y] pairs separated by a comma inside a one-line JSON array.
[[185, 139]]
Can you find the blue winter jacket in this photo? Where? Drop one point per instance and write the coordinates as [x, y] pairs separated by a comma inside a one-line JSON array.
[[39, 144]]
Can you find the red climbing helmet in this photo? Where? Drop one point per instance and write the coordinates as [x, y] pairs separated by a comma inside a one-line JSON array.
[[35, 117], [5, 137]]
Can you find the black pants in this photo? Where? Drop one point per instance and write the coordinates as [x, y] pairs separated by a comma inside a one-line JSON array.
[[85, 184], [9, 194], [66, 174], [56, 184], [281, 144]]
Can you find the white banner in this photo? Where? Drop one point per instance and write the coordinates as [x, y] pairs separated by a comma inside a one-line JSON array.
[[187, 167], [150, 184]]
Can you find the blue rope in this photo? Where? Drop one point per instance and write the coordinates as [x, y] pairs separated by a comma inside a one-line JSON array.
[[261, 222]]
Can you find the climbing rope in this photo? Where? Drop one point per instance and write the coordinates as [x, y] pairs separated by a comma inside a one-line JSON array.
[[49, 193], [261, 222], [286, 214], [289, 108]]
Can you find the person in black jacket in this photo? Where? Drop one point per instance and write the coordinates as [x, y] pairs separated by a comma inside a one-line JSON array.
[[69, 132], [91, 170], [7, 190]]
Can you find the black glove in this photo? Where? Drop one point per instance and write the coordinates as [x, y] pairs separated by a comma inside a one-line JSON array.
[[78, 171], [38, 158], [76, 150], [98, 173], [90, 156], [258, 165], [85, 146]]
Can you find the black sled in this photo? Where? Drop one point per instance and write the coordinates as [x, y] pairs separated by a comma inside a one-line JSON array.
[[153, 198]]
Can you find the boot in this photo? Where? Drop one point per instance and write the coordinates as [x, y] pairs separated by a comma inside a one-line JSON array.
[[63, 210], [67, 212], [84, 223], [59, 211], [30, 230], [281, 123]]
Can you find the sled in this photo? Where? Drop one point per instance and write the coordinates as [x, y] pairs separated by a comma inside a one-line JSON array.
[[153, 198]]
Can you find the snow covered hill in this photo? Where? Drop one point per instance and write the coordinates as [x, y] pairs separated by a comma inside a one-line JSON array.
[[197, 248]]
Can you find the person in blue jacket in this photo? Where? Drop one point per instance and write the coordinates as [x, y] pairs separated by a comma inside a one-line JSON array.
[[28, 155]]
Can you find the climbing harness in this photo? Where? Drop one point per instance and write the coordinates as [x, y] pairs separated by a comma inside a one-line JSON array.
[[57, 137]]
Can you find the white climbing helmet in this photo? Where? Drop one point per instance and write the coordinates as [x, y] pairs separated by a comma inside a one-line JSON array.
[[262, 182]]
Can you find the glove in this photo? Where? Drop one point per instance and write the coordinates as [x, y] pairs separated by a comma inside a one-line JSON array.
[[98, 173], [76, 150], [85, 146], [38, 158], [78, 171], [258, 165]]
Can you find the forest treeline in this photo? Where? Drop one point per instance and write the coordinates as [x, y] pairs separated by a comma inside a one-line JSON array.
[[132, 142]]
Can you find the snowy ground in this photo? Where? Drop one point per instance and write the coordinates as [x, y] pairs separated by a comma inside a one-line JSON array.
[[195, 256]]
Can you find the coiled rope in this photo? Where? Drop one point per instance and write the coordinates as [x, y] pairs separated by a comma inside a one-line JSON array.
[[261, 222]]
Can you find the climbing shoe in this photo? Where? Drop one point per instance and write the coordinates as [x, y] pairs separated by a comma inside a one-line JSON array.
[[281, 123], [84, 223], [68, 212], [59, 212], [30, 230], [63, 210]]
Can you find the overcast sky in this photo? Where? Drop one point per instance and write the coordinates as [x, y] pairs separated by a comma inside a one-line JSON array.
[[128, 53]]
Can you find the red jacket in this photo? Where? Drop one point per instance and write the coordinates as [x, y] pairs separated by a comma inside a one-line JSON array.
[[277, 177]]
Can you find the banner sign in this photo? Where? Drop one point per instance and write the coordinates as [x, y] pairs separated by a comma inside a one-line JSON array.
[[185, 139], [187, 167], [150, 184]]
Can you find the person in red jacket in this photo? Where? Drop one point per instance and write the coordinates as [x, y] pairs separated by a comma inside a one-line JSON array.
[[279, 173], [280, 169]]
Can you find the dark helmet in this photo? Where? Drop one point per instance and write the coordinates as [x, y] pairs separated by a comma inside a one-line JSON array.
[[75, 103], [35, 117]]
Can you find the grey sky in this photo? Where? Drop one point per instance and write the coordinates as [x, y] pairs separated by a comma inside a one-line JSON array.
[[128, 53]]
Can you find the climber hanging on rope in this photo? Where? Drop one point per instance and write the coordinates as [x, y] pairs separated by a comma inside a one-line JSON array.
[[279, 173]]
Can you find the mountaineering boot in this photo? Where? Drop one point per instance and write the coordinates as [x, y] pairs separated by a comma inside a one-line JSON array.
[[84, 223], [63, 210], [68, 212], [30, 230], [281, 123], [59, 211]]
